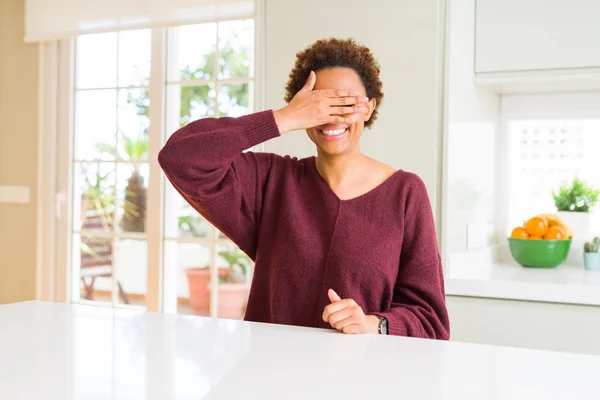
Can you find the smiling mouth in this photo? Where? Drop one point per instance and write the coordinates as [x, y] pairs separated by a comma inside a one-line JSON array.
[[332, 132]]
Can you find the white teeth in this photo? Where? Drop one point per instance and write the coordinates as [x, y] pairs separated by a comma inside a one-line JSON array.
[[333, 132]]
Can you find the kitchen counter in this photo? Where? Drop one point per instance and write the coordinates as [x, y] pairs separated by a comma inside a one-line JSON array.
[[481, 274], [63, 352]]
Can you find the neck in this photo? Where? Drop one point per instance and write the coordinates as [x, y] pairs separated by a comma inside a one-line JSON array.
[[340, 168]]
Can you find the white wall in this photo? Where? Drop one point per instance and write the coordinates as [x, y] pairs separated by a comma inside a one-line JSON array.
[[472, 121], [405, 36]]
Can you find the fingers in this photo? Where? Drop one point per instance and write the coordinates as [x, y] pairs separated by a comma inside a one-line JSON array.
[[333, 296], [335, 119], [337, 306], [347, 110], [339, 93], [310, 82], [351, 100], [341, 318], [353, 329]]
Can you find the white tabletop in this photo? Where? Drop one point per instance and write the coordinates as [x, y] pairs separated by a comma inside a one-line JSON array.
[[62, 352]]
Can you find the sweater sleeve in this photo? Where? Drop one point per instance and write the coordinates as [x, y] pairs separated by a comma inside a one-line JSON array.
[[206, 163], [418, 307]]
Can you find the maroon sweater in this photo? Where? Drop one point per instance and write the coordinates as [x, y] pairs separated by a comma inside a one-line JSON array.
[[379, 249]]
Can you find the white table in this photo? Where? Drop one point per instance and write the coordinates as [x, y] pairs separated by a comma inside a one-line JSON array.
[[62, 352]]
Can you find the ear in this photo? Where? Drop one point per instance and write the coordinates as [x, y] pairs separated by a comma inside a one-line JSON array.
[[370, 108]]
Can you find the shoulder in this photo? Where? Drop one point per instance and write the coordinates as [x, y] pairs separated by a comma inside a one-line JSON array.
[[411, 188], [277, 165]]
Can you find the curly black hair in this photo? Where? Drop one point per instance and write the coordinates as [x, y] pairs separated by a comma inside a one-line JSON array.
[[338, 53]]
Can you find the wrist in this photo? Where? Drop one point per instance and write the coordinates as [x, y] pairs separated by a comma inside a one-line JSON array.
[[373, 322], [282, 121]]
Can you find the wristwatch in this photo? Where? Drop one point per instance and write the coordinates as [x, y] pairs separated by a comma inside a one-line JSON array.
[[383, 326]]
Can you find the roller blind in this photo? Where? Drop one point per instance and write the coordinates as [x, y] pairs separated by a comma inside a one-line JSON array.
[[58, 19]]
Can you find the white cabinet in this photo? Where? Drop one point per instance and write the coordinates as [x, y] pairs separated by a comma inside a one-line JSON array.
[[537, 35]]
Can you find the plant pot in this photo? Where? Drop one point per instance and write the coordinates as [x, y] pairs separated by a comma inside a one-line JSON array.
[[583, 224], [232, 300], [591, 261], [198, 279]]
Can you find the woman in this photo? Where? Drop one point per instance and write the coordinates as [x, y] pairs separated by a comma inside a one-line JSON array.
[[339, 240]]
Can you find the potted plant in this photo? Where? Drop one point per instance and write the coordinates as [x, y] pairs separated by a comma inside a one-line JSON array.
[[134, 203], [198, 282], [233, 290], [575, 204], [591, 256], [232, 283]]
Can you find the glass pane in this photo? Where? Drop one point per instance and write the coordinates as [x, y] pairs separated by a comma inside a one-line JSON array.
[[190, 262], [134, 57], [234, 100], [95, 124], [192, 50], [544, 154], [133, 124], [131, 260], [94, 257], [181, 220], [94, 196], [234, 286], [236, 45], [132, 191], [96, 61], [188, 103]]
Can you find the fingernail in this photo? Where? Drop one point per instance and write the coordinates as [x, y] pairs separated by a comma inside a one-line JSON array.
[[362, 109]]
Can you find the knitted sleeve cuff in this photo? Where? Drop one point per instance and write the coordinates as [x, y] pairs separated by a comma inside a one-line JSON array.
[[259, 127]]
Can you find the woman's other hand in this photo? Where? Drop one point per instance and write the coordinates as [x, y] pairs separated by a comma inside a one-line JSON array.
[[311, 108], [347, 317]]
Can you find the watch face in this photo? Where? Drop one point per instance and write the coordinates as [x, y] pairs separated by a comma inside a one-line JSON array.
[[384, 327]]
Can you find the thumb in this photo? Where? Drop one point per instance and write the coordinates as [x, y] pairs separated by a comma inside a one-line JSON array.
[[310, 82], [333, 296]]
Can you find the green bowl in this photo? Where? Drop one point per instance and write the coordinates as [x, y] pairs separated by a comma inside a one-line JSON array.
[[539, 253]]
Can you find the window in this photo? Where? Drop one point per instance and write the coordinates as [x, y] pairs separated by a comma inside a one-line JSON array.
[[208, 78], [110, 167], [543, 154], [209, 73]]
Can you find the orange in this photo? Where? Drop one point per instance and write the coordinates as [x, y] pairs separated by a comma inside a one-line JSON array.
[[555, 233], [535, 238], [519, 233], [537, 226]]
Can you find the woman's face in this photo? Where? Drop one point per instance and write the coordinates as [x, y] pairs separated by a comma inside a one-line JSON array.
[[338, 139]]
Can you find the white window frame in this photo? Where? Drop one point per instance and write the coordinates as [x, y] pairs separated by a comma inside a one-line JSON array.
[[55, 279]]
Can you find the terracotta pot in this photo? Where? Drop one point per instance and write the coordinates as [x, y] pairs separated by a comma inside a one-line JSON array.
[[198, 279], [232, 300]]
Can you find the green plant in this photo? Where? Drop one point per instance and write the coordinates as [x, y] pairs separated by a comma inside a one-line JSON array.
[[190, 226], [134, 204], [97, 197], [236, 258], [593, 246], [579, 196]]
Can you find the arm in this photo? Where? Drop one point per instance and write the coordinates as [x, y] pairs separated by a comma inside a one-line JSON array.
[[418, 306], [205, 162]]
